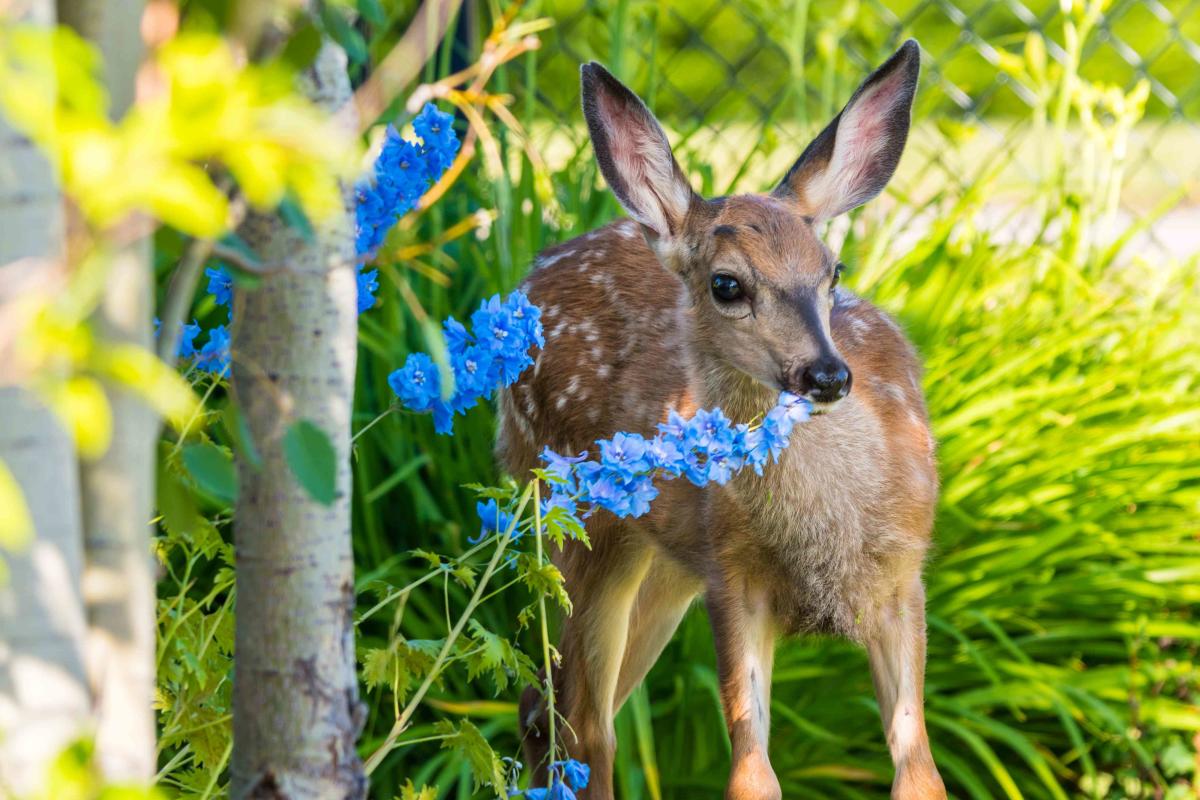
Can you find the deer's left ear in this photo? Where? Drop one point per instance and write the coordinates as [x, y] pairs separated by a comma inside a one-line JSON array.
[[852, 160]]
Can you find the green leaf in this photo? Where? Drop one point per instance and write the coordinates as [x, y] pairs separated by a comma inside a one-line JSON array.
[[312, 459], [543, 579], [372, 11], [486, 766], [409, 792], [294, 217], [302, 47], [175, 501], [342, 32], [212, 468], [239, 432]]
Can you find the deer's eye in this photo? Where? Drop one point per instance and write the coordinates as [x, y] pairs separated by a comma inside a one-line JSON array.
[[837, 276], [726, 288]]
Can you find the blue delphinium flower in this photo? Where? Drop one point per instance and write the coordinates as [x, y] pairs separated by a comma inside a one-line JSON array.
[[575, 773], [438, 139], [705, 449], [494, 520], [417, 383], [494, 352], [214, 356], [562, 467], [625, 454], [368, 284], [402, 173], [220, 286], [187, 339]]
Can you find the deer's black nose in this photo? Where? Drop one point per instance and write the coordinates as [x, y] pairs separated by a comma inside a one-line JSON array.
[[826, 381]]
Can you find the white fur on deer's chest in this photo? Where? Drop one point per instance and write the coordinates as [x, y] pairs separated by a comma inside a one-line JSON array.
[[817, 514]]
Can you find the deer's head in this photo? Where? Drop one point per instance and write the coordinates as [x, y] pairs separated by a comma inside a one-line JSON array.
[[761, 281]]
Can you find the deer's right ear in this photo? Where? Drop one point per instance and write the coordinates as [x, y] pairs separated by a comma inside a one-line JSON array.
[[634, 155]]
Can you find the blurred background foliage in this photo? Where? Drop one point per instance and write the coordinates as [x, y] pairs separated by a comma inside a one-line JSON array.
[[1031, 246]]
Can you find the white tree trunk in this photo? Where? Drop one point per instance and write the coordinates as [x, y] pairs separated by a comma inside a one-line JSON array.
[[296, 710], [44, 700], [118, 487]]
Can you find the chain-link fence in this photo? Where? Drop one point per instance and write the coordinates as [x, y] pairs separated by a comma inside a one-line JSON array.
[[744, 85]]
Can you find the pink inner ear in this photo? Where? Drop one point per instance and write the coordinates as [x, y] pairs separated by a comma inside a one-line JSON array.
[[853, 174]]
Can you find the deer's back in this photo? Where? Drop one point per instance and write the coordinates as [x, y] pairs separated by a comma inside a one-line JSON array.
[[616, 354]]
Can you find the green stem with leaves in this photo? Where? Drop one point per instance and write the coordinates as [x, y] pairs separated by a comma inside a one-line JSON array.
[[443, 656]]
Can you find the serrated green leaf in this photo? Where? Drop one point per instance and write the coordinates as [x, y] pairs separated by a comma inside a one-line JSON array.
[[408, 792], [312, 459], [175, 501], [486, 767], [543, 579], [212, 469]]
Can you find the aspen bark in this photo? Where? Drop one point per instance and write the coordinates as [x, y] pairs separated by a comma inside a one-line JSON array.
[[118, 487], [44, 700], [295, 693]]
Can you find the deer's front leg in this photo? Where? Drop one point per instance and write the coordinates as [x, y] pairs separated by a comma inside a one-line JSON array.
[[744, 634], [896, 647]]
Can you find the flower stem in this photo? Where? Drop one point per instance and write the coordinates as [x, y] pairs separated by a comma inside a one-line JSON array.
[[401, 723]]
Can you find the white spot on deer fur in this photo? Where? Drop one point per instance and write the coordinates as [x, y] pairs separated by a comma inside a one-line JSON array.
[[890, 390], [547, 261], [527, 401], [561, 402], [597, 353], [551, 312], [573, 385], [537, 364], [603, 370], [523, 426], [860, 326], [556, 331], [593, 414], [628, 229]]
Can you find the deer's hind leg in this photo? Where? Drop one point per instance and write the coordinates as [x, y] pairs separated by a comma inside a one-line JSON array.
[[602, 584], [663, 598]]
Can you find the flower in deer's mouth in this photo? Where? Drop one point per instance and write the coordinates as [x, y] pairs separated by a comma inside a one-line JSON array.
[[562, 467], [625, 454], [664, 453], [417, 383]]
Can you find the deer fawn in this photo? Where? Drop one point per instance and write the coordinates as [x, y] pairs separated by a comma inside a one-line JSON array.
[[698, 303]]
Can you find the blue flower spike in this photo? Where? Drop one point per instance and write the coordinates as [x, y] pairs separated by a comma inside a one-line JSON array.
[[494, 352]]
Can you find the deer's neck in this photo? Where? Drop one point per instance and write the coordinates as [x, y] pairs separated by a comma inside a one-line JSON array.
[[738, 395]]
